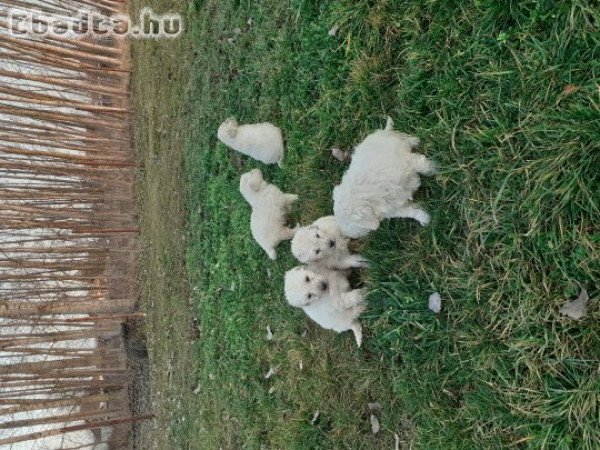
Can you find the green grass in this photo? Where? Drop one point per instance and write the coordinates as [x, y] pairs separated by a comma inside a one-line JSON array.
[[505, 97]]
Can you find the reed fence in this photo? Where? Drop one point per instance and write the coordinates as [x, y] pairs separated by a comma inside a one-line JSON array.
[[68, 236]]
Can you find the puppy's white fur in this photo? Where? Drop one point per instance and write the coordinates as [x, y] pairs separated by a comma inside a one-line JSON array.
[[269, 208], [380, 182], [323, 244], [261, 141], [326, 297]]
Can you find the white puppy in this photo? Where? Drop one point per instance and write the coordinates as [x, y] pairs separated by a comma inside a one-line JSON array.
[[380, 183], [323, 244], [326, 297], [261, 141], [269, 207]]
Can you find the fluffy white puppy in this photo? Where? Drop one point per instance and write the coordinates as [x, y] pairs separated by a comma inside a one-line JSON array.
[[380, 182], [326, 297], [261, 141], [269, 208], [323, 244]]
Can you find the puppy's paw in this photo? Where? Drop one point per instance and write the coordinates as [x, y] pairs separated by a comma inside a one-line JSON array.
[[429, 168], [354, 300], [272, 254], [362, 294], [422, 217], [362, 262], [357, 261], [414, 142]]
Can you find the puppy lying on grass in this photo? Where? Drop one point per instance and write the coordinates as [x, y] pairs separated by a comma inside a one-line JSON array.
[[322, 244], [269, 208], [261, 141], [326, 297], [380, 182]]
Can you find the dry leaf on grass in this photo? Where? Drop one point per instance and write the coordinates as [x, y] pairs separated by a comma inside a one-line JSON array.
[[272, 371], [435, 302], [269, 333], [576, 309], [340, 155], [374, 424], [334, 30], [315, 417]]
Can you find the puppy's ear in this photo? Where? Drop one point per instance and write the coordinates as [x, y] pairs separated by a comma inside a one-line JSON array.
[[232, 127], [255, 183], [365, 218]]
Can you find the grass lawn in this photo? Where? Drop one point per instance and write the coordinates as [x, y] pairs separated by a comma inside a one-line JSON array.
[[505, 97]]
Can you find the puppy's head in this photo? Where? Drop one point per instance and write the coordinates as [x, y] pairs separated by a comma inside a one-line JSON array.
[[303, 286], [252, 181], [312, 243]]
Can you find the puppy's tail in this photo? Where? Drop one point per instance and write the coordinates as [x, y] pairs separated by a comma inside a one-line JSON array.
[[357, 330], [389, 126]]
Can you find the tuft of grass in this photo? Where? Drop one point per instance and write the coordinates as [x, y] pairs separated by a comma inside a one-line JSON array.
[[504, 96]]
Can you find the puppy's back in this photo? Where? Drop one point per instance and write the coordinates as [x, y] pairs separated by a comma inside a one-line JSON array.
[[327, 313], [262, 141]]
